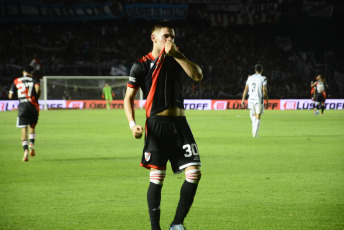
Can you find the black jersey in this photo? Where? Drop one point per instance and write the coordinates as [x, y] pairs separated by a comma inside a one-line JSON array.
[[160, 80], [27, 96]]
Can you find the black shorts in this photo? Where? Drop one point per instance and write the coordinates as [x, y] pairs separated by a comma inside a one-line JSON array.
[[320, 97], [26, 117], [169, 139]]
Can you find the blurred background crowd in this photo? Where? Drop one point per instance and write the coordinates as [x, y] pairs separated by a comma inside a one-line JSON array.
[[301, 40]]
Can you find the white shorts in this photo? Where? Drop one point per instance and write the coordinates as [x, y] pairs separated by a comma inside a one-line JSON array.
[[257, 108]]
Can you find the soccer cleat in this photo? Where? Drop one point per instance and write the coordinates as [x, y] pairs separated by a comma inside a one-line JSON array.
[[32, 150], [177, 227], [26, 156]]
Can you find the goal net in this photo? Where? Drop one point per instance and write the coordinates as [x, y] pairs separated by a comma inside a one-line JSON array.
[[83, 87]]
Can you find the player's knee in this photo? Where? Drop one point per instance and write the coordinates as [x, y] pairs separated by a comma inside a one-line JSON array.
[[193, 176], [157, 176]]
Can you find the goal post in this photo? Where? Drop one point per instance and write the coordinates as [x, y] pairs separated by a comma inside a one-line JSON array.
[[82, 87]]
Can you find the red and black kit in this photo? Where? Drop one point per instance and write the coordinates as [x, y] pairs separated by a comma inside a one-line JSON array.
[[28, 109], [168, 138], [160, 80]]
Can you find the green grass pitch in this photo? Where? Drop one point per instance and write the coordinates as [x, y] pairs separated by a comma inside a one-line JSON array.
[[86, 173]]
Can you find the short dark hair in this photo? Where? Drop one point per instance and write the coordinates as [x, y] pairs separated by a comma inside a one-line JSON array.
[[162, 24], [258, 67], [29, 69]]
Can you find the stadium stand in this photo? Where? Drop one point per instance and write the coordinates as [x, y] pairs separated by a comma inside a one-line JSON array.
[[291, 57]]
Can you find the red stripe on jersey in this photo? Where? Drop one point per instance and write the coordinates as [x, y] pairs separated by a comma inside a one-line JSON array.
[[132, 86], [148, 56], [155, 75], [31, 99]]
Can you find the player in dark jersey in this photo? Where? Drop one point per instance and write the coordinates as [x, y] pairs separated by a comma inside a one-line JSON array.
[[168, 137], [28, 90]]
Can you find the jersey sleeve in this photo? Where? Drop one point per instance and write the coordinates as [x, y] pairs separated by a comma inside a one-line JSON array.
[[135, 75], [248, 81], [265, 81], [13, 88], [36, 81]]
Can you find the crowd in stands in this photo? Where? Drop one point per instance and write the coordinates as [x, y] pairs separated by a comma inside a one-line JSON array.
[[226, 55]]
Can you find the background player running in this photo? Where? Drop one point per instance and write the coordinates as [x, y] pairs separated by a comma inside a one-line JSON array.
[[168, 136], [28, 91], [256, 87]]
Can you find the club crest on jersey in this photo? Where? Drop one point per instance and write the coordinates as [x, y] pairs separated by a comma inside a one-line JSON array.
[[147, 156]]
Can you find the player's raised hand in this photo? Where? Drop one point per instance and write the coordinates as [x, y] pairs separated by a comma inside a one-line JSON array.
[[137, 131], [170, 48]]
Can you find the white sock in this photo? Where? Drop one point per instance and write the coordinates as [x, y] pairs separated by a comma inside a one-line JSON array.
[[251, 115], [253, 120], [256, 127]]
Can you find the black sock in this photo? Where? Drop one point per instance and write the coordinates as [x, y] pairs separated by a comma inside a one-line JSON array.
[[32, 137], [154, 198], [25, 145], [187, 194], [322, 108]]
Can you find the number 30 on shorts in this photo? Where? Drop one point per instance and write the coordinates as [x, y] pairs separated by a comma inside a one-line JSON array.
[[190, 150]]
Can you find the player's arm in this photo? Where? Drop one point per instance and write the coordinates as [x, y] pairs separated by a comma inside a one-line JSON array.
[[244, 96], [191, 69], [130, 112], [38, 89], [265, 92], [11, 91]]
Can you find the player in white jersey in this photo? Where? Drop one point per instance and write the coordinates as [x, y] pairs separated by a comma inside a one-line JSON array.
[[320, 94], [256, 87]]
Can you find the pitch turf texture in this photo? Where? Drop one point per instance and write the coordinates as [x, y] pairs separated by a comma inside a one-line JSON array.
[[86, 172]]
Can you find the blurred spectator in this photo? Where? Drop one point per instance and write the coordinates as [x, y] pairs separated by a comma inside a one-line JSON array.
[[102, 49]]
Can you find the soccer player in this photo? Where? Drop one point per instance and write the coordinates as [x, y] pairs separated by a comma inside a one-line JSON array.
[[313, 88], [168, 136], [108, 94], [256, 87], [28, 90], [320, 94]]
